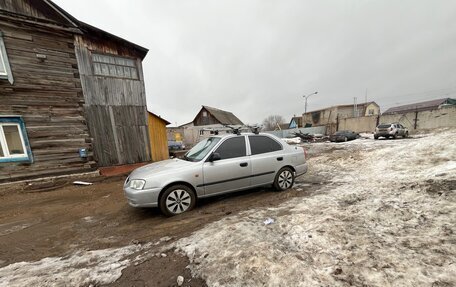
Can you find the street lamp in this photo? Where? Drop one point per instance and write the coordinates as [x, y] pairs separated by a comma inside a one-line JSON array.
[[305, 97]]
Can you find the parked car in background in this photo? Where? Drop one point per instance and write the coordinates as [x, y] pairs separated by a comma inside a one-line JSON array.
[[343, 136], [392, 130], [216, 165], [175, 145]]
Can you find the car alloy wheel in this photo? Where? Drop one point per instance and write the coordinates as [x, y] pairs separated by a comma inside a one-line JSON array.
[[284, 179], [177, 199]]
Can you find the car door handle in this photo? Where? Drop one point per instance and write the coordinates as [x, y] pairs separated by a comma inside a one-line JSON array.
[[280, 158], [243, 164]]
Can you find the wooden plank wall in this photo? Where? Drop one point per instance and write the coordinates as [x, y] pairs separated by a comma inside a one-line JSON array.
[[204, 121], [158, 138], [113, 106], [23, 7], [48, 95]]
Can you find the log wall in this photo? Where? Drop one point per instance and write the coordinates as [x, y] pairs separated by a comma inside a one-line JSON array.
[[48, 95]]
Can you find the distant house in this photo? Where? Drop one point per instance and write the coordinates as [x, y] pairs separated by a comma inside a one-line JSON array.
[[72, 96], [211, 116], [208, 121], [421, 106], [158, 137], [295, 122], [330, 115]]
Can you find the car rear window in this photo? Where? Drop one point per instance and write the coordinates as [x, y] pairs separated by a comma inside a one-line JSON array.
[[232, 147], [263, 144], [384, 126]]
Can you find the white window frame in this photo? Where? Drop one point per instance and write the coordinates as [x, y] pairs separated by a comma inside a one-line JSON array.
[[4, 144], [7, 75], [115, 65]]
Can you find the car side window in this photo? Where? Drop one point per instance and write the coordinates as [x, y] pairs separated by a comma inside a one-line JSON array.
[[263, 144], [232, 147]]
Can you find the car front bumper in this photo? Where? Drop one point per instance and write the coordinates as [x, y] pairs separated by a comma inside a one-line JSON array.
[[142, 198]]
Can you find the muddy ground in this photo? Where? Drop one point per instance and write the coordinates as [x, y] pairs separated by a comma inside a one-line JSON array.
[[368, 213], [56, 222]]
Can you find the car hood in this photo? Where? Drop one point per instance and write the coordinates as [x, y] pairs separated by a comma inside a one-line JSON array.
[[159, 167]]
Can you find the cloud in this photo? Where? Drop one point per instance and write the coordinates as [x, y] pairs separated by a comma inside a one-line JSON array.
[[257, 58]]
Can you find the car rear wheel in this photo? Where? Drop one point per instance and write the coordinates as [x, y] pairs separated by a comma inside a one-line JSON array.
[[284, 179], [177, 199], [376, 137]]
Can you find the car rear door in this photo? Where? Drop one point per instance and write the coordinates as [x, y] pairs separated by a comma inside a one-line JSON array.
[[266, 157], [232, 171]]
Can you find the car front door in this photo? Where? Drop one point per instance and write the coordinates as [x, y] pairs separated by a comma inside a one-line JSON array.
[[232, 171]]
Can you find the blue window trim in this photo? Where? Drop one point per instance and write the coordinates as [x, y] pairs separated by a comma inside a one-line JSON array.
[[9, 73], [20, 121]]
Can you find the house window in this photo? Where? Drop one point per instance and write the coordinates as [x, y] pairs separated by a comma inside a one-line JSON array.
[[114, 66], [5, 69], [371, 112], [14, 145], [204, 114], [201, 132]]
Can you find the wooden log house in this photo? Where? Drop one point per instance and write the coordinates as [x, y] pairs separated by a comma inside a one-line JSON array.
[[72, 96]]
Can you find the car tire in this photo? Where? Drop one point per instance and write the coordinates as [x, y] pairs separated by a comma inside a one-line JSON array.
[[376, 137], [394, 136], [284, 179], [177, 199], [405, 135]]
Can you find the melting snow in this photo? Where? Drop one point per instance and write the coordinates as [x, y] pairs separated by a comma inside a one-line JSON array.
[[388, 218]]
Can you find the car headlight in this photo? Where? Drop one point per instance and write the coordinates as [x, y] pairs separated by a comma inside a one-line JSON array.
[[137, 183]]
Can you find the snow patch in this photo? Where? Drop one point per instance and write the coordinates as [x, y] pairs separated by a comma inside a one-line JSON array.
[[378, 223]]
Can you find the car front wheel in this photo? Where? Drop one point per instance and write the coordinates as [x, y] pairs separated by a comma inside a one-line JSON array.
[[177, 199], [284, 179]]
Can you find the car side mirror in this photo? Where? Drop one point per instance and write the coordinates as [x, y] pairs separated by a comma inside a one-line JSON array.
[[215, 156]]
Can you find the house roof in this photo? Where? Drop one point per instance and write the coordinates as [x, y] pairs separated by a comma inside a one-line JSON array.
[[159, 117], [360, 106], [297, 120], [53, 10], [224, 117], [416, 107]]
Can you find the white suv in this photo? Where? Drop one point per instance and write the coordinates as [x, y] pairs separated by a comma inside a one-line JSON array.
[[390, 130]]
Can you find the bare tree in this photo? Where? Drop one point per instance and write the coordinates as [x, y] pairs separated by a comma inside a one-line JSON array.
[[271, 122]]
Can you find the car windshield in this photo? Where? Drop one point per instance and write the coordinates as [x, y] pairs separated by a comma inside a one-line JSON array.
[[199, 151], [384, 126]]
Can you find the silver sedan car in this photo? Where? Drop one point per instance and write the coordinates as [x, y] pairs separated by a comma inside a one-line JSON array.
[[216, 165]]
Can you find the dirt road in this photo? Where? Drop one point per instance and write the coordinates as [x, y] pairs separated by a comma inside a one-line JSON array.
[[37, 225]]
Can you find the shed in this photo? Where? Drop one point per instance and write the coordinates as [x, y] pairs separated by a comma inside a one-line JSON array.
[[158, 137]]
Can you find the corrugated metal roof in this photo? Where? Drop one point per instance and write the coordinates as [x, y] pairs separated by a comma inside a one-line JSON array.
[[416, 107], [224, 117], [360, 106]]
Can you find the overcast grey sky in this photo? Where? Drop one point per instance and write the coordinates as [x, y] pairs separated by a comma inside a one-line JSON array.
[[257, 58]]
